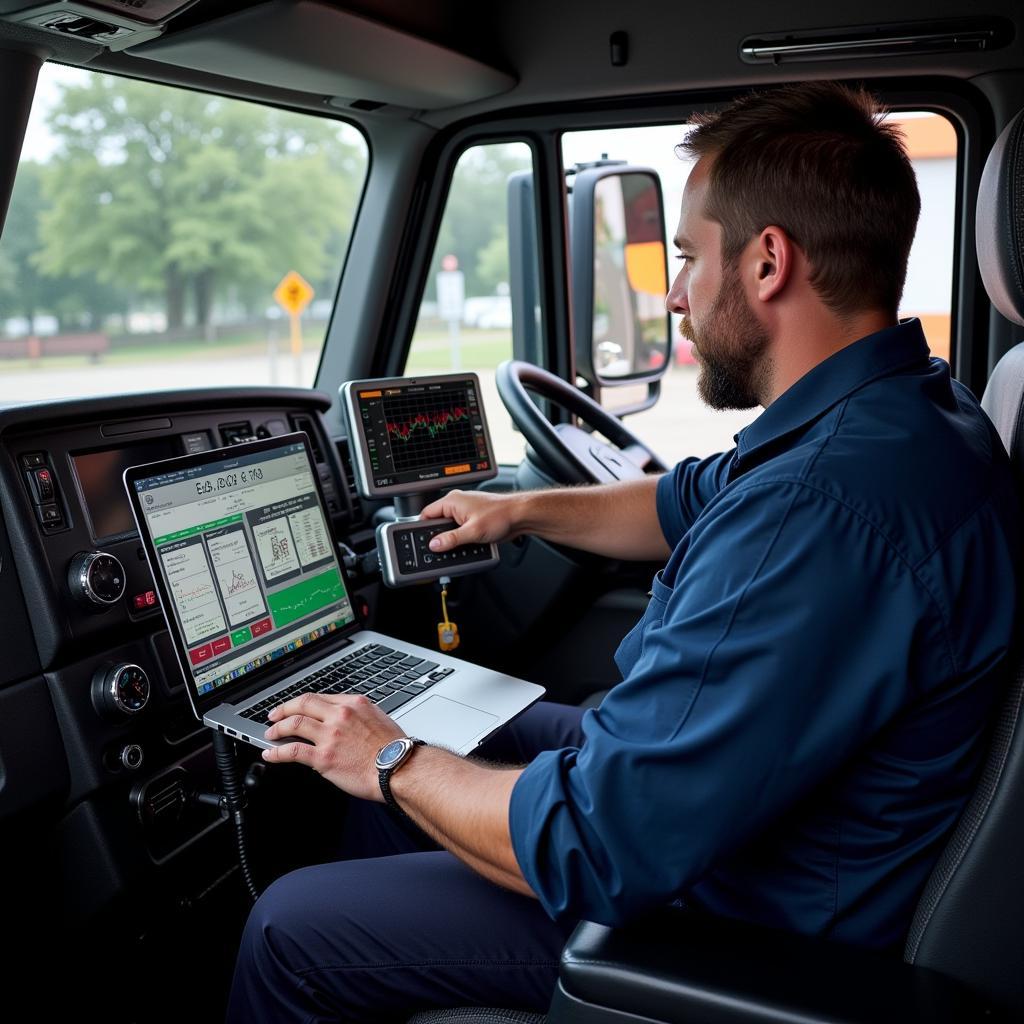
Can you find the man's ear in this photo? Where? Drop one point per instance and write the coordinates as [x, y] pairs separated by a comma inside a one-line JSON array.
[[775, 260]]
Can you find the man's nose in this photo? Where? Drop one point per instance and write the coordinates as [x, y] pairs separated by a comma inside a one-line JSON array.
[[675, 301]]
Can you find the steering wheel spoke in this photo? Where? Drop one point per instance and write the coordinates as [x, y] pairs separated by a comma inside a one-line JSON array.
[[640, 456], [571, 454]]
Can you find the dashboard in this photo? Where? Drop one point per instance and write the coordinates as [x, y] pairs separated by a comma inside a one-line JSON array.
[[97, 738]]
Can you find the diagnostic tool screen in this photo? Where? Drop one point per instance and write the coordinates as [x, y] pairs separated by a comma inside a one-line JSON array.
[[247, 558], [423, 432]]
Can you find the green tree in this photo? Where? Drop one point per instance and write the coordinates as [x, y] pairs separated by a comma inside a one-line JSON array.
[[24, 291], [175, 193], [492, 262], [475, 220]]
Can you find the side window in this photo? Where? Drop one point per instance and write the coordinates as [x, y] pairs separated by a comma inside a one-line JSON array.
[[931, 142], [465, 319], [680, 424], [149, 230]]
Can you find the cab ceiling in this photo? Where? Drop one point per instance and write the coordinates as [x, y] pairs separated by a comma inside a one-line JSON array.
[[447, 60]]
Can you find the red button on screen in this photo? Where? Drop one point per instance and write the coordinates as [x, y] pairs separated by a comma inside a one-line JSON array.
[[261, 627], [221, 644], [200, 654]]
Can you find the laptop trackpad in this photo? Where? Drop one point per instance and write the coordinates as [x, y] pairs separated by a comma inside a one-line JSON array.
[[444, 722]]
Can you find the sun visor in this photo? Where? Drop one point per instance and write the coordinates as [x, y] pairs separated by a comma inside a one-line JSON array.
[[317, 49]]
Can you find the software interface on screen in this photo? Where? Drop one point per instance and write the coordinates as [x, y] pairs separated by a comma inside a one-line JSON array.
[[247, 559], [423, 432]]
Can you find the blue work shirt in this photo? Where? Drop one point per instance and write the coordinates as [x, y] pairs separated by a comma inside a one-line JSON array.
[[805, 702]]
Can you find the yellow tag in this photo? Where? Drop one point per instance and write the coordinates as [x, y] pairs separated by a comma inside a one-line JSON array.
[[447, 636]]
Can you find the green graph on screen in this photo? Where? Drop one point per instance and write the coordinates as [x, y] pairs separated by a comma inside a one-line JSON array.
[[307, 596]]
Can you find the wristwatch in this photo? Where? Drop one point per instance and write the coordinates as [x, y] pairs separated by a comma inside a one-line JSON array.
[[391, 756]]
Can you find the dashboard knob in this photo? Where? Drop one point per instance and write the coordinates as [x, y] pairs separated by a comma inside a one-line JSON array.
[[130, 756], [96, 579], [120, 690]]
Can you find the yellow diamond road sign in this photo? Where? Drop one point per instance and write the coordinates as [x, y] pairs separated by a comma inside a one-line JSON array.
[[294, 293]]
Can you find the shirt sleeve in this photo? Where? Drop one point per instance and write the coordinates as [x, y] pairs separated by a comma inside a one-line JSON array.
[[685, 490], [791, 635]]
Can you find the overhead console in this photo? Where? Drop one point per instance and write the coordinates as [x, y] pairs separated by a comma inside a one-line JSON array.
[[114, 24], [319, 49]]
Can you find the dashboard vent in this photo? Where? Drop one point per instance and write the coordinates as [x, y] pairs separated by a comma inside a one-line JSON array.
[[236, 433], [350, 480], [305, 423]]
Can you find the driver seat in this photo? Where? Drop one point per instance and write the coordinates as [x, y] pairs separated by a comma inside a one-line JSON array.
[[964, 955]]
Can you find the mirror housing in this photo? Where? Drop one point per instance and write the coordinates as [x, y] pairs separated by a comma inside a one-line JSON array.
[[619, 276]]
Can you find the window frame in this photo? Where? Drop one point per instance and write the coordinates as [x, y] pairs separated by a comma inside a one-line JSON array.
[[325, 114], [542, 129]]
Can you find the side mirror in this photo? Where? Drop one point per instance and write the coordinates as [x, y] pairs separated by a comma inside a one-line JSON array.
[[619, 276]]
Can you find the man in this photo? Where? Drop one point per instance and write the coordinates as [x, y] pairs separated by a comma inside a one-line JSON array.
[[803, 705]]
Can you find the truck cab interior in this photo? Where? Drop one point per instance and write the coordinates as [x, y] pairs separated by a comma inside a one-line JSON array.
[[217, 214]]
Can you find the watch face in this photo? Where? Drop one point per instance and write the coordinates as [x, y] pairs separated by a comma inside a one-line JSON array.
[[391, 753]]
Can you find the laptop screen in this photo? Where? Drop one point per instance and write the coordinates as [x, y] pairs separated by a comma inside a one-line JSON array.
[[247, 564]]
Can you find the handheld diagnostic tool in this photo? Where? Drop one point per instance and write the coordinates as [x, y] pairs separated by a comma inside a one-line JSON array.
[[411, 438]]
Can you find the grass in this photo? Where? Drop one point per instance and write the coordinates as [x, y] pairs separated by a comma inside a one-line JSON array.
[[478, 350]]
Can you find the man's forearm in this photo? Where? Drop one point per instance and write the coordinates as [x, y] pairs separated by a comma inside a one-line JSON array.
[[616, 520], [464, 807]]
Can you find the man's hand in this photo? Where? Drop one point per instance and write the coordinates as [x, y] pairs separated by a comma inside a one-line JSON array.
[[345, 733], [618, 520], [464, 806], [483, 518]]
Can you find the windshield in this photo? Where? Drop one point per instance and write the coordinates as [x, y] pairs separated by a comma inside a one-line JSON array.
[[162, 238]]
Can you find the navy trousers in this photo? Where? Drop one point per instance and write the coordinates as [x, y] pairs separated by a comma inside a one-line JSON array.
[[400, 925]]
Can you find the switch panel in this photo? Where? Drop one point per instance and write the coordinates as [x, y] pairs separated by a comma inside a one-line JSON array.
[[43, 488], [405, 554]]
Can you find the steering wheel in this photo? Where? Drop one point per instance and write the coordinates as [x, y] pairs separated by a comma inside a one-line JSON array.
[[572, 455]]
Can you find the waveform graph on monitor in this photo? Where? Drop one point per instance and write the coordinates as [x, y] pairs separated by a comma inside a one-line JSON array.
[[193, 590], [236, 575], [428, 430], [309, 595]]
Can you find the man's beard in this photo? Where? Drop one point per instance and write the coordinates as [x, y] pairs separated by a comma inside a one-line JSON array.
[[731, 347]]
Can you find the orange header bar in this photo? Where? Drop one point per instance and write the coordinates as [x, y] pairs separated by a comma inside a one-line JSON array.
[[452, 470], [369, 394]]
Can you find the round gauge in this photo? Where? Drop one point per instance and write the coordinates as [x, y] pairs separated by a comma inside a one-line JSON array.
[[122, 690], [96, 578]]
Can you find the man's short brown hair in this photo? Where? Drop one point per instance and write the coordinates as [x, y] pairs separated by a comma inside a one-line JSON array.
[[818, 161]]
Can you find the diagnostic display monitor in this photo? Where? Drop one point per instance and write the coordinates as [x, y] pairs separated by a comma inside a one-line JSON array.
[[243, 558], [414, 434]]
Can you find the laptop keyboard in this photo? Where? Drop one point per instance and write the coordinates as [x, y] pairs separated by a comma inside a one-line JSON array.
[[387, 677]]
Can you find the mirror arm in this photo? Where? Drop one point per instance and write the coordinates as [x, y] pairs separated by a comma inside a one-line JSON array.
[[653, 392]]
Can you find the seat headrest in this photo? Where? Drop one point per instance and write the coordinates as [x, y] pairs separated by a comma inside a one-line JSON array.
[[1000, 224]]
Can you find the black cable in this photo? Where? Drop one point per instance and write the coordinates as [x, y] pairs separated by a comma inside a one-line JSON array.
[[234, 798]]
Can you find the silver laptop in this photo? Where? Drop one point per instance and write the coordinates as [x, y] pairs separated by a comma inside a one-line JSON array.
[[258, 606]]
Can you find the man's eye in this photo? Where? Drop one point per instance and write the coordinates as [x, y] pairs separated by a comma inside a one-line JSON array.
[[683, 256]]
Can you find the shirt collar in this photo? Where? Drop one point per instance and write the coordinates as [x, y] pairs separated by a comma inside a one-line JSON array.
[[873, 356]]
